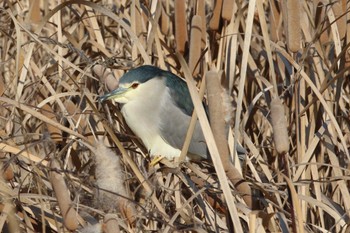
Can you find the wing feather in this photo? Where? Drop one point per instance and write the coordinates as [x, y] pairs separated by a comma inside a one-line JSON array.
[[174, 126]]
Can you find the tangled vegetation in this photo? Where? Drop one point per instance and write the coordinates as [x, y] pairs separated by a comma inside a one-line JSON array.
[[70, 163]]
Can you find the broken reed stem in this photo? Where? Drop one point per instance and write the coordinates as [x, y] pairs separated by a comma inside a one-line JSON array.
[[215, 19], [70, 216], [195, 47], [217, 123], [292, 18], [180, 25], [279, 126]]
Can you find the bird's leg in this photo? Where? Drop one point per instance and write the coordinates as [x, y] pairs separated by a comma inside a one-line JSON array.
[[155, 160]]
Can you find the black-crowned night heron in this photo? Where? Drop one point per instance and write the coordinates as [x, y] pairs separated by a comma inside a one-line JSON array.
[[157, 106]]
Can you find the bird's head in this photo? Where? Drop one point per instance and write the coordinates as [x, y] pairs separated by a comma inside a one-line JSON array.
[[147, 84], [135, 84]]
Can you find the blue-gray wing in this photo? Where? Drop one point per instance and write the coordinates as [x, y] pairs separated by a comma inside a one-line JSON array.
[[174, 126]]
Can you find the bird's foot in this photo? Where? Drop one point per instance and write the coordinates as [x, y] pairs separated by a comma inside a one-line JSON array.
[[156, 160]]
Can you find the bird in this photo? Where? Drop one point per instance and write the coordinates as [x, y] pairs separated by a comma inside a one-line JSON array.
[[157, 106]]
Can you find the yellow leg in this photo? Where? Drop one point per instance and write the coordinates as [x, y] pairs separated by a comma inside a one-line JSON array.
[[156, 160]]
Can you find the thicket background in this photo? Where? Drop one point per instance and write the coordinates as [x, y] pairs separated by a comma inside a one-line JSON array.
[[57, 57]]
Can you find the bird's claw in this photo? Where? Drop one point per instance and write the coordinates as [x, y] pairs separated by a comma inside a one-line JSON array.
[[156, 160]]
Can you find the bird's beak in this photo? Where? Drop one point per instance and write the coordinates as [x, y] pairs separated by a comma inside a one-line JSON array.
[[115, 94]]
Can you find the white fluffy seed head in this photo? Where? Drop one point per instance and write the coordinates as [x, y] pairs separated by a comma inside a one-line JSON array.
[[96, 228], [279, 126], [228, 107], [109, 177]]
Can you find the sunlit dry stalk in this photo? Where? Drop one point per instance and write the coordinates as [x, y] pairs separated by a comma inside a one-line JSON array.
[[217, 123], [244, 65], [74, 112], [292, 20], [212, 147], [70, 216], [265, 33], [320, 23], [215, 19], [339, 13], [8, 212], [34, 12], [2, 86], [195, 47], [180, 25], [55, 133], [347, 6], [139, 20], [274, 17], [296, 216], [136, 25], [279, 126]]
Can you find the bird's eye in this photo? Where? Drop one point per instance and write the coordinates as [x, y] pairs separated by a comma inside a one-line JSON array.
[[134, 85]]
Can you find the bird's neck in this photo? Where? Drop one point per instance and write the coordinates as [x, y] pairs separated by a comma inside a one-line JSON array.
[[142, 114]]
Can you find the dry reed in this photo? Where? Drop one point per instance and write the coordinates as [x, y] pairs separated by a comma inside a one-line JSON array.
[[56, 59], [63, 198], [195, 47], [215, 19], [111, 223], [218, 125], [279, 126], [180, 25], [292, 21]]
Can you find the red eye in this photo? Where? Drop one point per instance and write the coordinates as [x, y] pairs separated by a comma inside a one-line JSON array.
[[134, 85]]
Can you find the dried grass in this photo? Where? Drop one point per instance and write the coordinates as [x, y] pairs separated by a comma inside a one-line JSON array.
[[56, 59]]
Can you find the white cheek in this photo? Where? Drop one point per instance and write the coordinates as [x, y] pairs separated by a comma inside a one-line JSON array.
[[135, 94], [121, 100]]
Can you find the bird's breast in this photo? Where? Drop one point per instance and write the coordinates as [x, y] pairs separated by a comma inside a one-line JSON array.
[[143, 118]]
